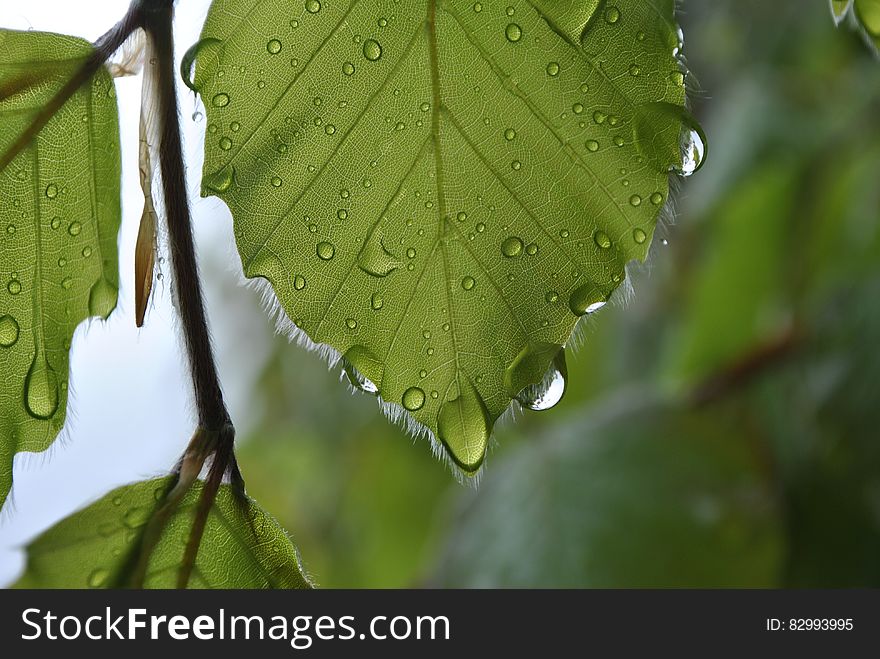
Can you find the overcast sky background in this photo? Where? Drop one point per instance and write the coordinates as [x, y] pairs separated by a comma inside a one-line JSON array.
[[130, 414]]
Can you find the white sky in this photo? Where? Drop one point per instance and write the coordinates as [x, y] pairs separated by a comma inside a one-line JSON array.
[[130, 414]]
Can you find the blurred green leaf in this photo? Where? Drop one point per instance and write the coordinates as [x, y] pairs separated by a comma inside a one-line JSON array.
[[633, 493], [452, 188], [59, 216], [241, 548]]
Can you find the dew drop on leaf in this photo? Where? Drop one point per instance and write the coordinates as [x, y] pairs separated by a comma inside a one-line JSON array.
[[220, 100], [74, 229], [376, 301], [601, 239], [463, 426], [51, 191], [413, 399], [513, 32], [639, 236], [98, 578], [299, 282], [14, 287], [273, 47], [553, 69], [592, 145], [8, 331], [313, 6], [372, 50], [348, 68], [511, 247], [325, 250], [467, 283]]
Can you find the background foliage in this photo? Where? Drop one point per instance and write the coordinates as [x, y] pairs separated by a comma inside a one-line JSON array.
[[720, 430]]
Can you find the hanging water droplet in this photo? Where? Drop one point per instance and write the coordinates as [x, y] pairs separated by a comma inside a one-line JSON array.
[[325, 250], [463, 426], [694, 152], [513, 32], [586, 300], [413, 399], [220, 180], [550, 388], [9, 331], [41, 388], [102, 298], [372, 50]]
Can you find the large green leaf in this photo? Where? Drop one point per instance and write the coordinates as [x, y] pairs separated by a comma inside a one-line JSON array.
[[638, 493], [59, 216], [439, 190], [240, 549]]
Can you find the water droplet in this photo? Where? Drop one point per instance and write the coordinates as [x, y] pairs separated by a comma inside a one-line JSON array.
[[102, 298], [220, 180], [635, 200], [683, 153], [553, 69], [348, 68], [592, 145], [10, 229], [74, 229], [513, 32], [98, 578], [313, 6], [635, 70], [601, 239], [463, 426], [363, 368], [325, 250], [376, 301], [639, 236], [14, 287], [478, 7], [220, 100], [51, 191], [677, 78], [551, 297], [375, 259], [599, 117], [586, 300], [8, 331], [577, 108], [413, 399], [509, 134], [86, 251], [235, 126], [694, 152], [372, 50], [299, 282], [612, 15], [512, 247], [273, 47], [55, 223], [329, 129], [66, 283], [467, 283], [351, 323], [136, 517], [276, 182], [225, 143], [41, 388], [532, 249]]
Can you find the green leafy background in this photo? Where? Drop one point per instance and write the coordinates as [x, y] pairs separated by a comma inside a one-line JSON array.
[[775, 483], [59, 200]]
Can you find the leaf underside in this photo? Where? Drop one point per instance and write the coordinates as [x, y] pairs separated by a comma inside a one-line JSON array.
[[240, 549], [440, 190], [59, 217]]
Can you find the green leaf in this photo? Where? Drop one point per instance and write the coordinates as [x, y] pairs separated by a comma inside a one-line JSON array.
[[59, 216], [866, 15], [240, 548], [432, 187], [630, 494], [839, 9]]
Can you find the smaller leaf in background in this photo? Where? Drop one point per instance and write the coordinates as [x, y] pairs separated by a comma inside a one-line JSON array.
[[635, 494], [866, 15], [240, 548], [839, 9], [59, 219]]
